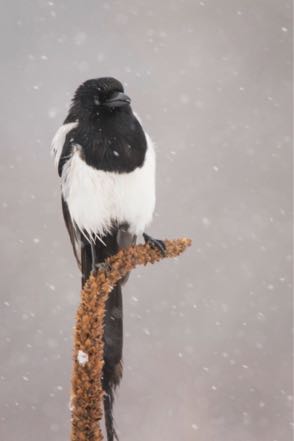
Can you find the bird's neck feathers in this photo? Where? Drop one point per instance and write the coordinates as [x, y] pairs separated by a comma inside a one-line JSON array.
[[111, 141]]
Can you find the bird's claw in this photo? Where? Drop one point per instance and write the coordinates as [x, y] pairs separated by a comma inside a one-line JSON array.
[[155, 243], [102, 266]]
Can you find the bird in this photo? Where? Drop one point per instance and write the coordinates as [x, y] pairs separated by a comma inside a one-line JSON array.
[[106, 164]]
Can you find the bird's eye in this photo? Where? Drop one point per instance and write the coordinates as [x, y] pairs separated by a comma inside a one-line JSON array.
[[96, 100]]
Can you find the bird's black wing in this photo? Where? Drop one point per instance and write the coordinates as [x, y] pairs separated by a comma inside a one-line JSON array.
[[66, 153], [74, 234]]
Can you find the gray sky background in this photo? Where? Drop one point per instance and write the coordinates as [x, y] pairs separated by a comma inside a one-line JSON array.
[[207, 353]]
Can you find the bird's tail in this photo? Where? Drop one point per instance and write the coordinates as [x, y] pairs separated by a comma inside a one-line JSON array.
[[112, 370]]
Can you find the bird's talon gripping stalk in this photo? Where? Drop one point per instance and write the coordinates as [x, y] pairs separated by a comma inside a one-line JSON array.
[[155, 243], [103, 266]]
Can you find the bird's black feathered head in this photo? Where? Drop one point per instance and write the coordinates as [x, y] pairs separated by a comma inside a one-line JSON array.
[[111, 137], [101, 94]]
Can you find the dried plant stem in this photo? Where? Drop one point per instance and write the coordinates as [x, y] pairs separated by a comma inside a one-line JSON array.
[[87, 392]]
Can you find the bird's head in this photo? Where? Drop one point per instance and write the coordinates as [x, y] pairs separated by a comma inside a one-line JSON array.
[[101, 95]]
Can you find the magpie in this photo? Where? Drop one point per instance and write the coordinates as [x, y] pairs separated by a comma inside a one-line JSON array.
[[106, 162]]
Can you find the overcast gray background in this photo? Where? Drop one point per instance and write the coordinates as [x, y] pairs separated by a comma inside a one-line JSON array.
[[207, 336]]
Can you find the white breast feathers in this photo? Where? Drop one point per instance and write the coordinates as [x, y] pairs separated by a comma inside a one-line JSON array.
[[97, 198]]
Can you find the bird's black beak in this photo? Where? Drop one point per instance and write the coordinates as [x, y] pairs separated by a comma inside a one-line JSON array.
[[118, 99]]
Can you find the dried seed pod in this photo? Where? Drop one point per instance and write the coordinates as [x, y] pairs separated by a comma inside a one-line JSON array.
[[87, 392]]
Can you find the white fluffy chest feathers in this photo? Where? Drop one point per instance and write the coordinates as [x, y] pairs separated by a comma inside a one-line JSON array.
[[96, 199]]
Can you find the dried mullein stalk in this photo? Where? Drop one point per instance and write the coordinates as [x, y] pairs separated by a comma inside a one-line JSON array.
[[87, 392]]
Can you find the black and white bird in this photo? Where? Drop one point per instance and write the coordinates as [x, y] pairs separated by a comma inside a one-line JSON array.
[[106, 163]]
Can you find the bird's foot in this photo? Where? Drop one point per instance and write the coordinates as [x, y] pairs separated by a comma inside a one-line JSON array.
[[155, 243], [102, 266]]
